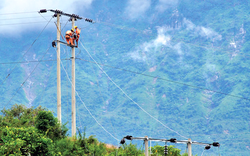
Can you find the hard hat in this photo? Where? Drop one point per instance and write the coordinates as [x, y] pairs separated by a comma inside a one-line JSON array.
[[75, 26], [72, 29]]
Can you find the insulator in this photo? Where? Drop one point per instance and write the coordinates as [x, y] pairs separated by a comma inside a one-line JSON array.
[[122, 141], [173, 140], [216, 144], [42, 11], [58, 11], [128, 137], [207, 147], [166, 149], [88, 20], [53, 44]]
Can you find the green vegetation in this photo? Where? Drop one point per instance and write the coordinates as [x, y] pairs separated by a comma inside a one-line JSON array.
[[35, 131]]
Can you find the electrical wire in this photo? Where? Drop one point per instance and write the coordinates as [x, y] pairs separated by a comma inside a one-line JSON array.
[[43, 17], [177, 82], [130, 97], [46, 84], [32, 61], [21, 18], [100, 93], [26, 52], [86, 106], [219, 150], [22, 23], [203, 152], [19, 13], [26, 79]]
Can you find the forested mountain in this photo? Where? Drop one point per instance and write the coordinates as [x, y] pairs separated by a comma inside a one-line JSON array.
[[168, 69]]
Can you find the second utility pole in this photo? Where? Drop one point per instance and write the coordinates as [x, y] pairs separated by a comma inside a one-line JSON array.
[[58, 70], [73, 87], [189, 147]]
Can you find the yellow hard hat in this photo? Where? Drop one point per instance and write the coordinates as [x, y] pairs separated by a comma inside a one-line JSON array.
[[75, 26], [72, 29]]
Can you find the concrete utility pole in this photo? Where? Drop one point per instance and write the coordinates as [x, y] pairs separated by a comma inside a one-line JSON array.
[[189, 147], [146, 145], [73, 17], [58, 71], [172, 140], [73, 87]]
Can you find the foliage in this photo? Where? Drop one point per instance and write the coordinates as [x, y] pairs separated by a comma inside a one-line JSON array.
[[19, 116], [41, 134], [130, 149], [79, 146], [47, 124], [23, 141]]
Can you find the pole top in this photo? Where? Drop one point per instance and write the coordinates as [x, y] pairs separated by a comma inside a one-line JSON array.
[[61, 13]]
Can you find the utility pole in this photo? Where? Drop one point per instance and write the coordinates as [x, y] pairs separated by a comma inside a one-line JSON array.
[[172, 140], [73, 17], [58, 70], [189, 147], [146, 145], [73, 87]]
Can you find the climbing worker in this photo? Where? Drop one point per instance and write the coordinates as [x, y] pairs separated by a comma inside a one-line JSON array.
[[69, 37], [78, 31]]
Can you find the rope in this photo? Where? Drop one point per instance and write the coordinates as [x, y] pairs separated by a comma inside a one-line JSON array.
[[130, 97]]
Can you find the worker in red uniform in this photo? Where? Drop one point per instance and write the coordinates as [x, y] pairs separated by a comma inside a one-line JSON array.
[[77, 31], [69, 37]]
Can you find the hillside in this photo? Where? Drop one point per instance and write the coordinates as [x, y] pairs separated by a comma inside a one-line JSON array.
[[183, 62]]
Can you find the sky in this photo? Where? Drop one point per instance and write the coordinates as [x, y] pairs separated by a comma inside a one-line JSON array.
[[16, 15], [19, 15]]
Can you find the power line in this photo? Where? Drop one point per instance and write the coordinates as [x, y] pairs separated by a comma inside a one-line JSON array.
[[87, 107], [19, 13], [26, 78], [21, 18], [27, 51], [22, 23], [181, 83], [130, 97], [32, 61]]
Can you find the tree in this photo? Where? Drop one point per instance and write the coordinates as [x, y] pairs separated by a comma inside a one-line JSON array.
[[159, 150], [47, 124], [23, 141]]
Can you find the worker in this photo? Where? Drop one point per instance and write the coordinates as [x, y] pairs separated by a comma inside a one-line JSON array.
[[78, 31], [69, 37]]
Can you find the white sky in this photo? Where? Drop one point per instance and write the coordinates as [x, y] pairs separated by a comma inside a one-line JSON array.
[[11, 22], [8, 7]]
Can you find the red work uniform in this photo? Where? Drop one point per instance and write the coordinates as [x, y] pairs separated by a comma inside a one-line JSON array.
[[69, 37]]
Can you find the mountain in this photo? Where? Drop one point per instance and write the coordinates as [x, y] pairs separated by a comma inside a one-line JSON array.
[[176, 69]]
